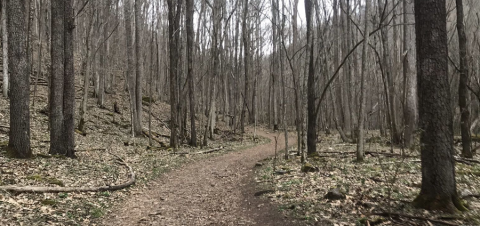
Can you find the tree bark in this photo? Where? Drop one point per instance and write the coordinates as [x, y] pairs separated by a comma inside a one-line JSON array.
[[19, 139], [438, 191]]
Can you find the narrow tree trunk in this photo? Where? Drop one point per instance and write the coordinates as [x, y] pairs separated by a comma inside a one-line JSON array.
[[6, 84], [174, 8], [312, 117], [138, 71], [190, 76], [57, 77], [246, 55], [40, 50], [409, 73], [361, 115], [69, 79], [463, 100], [130, 65]]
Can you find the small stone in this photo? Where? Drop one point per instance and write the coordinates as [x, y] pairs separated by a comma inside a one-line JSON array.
[[335, 194]]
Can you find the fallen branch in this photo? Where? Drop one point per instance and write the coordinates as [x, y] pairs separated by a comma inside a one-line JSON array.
[[92, 149], [387, 214], [155, 139], [198, 152], [31, 189], [464, 160], [5, 127]]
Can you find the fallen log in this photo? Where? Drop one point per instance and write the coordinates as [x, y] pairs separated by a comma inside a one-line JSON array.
[[32, 189]]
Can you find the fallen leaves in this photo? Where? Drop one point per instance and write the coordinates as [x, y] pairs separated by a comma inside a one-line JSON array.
[[383, 183]]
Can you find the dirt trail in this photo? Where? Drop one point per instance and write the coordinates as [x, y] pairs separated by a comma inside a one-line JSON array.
[[217, 191]]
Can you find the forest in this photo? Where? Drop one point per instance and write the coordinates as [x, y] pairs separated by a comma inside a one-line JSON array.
[[241, 112]]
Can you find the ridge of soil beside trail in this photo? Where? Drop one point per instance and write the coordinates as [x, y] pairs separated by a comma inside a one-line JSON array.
[[217, 191]]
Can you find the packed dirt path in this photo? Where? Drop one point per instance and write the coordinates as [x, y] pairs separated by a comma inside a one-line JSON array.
[[215, 191]]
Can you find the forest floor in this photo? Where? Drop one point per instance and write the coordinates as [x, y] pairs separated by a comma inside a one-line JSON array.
[[378, 191], [223, 168]]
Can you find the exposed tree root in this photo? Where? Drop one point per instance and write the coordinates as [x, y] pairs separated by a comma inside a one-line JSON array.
[[32, 189], [397, 215]]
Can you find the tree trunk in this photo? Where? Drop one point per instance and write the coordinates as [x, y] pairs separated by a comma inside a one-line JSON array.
[[361, 115], [190, 76], [246, 55], [174, 8], [388, 70], [130, 66], [463, 95], [19, 139], [69, 82], [138, 70], [409, 73], [6, 85], [312, 117], [438, 191], [62, 92], [57, 77]]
